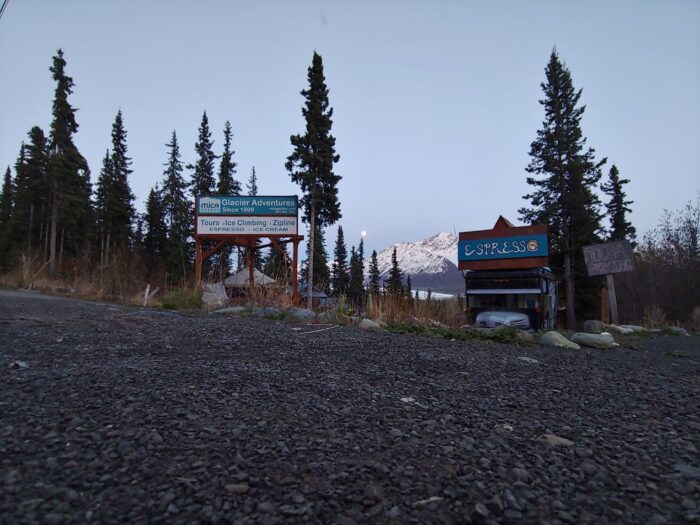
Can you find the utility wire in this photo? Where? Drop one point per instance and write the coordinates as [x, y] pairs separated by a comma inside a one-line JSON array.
[[4, 6]]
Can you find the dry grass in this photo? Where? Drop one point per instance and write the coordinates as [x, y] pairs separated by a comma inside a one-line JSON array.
[[389, 309], [694, 323], [654, 317]]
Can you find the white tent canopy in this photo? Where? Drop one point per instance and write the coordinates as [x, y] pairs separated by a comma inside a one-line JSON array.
[[239, 279]]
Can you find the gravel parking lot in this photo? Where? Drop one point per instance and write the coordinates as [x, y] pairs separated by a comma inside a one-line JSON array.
[[111, 414]]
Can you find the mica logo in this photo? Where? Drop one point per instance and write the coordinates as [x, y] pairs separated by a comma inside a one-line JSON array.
[[209, 205]]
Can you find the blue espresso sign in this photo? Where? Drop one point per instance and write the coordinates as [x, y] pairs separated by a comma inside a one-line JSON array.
[[534, 245], [247, 205]]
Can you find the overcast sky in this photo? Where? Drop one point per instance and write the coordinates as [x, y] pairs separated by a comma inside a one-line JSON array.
[[435, 103]]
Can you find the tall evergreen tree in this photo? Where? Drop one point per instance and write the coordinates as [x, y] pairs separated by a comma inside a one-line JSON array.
[[155, 242], [374, 286], [7, 198], [356, 287], [339, 272], [252, 185], [311, 163], [177, 214], [103, 190], [322, 275], [228, 185], [618, 207], [277, 264], [565, 175], [120, 199], [394, 285], [203, 169], [409, 288], [68, 173], [31, 216]]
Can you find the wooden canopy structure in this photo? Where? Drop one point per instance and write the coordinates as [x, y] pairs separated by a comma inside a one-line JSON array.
[[250, 243]]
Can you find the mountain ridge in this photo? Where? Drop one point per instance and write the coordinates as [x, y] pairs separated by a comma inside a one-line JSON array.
[[431, 263]]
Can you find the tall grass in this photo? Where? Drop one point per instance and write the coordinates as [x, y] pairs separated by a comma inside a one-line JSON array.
[[392, 309]]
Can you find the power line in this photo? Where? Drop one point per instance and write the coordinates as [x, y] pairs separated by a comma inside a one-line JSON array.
[[4, 6]]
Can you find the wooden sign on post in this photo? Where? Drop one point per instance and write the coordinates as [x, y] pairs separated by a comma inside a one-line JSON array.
[[607, 259]]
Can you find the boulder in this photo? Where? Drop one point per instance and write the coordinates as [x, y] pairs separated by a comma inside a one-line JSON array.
[[265, 311], [622, 330], [603, 341], [558, 340], [301, 314], [329, 316], [594, 327], [525, 337], [214, 296], [677, 330], [231, 310], [634, 328], [368, 324]]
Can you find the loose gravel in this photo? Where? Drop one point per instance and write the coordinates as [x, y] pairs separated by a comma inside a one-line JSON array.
[[139, 416]]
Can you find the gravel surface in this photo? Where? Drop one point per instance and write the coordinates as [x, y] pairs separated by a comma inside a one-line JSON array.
[[117, 415]]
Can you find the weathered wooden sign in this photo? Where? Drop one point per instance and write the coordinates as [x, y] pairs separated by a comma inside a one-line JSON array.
[[609, 258]]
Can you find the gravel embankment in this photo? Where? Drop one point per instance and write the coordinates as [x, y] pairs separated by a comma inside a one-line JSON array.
[[126, 417]]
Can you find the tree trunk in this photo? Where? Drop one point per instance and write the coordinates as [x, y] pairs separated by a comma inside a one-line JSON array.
[[102, 250], [31, 225], [310, 269], [54, 227], [107, 250], [60, 251], [569, 277], [46, 241]]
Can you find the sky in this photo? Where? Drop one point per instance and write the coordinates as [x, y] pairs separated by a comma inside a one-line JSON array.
[[435, 104]]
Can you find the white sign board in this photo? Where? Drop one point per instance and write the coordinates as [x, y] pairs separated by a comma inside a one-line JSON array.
[[231, 225]]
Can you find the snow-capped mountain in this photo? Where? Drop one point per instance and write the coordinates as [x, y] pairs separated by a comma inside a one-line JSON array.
[[431, 263]]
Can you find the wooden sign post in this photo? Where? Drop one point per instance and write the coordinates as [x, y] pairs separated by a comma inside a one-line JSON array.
[[608, 259]]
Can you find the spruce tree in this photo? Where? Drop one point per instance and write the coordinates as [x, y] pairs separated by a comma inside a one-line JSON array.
[[322, 275], [252, 187], [102, 195], [311, 163], [203, 182], [394, 285], [120, 199], [340, 272], [618, 207], [177, 214], [7, 198], [68, 173], [31, 216], [409, 288], [155, 242], [277, 264], [565, 175], [374, 286], [228, 185], [356, 287]]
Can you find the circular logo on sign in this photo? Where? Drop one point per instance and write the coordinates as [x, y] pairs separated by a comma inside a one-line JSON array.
[[533, 245]]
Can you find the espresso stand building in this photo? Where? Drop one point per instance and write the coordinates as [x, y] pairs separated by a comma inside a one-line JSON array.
[[506, 270]]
